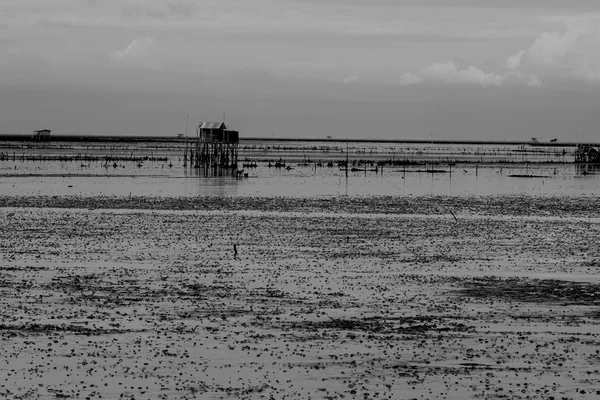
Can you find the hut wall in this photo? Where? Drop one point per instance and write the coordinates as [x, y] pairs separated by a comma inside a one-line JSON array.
[[231, 137]]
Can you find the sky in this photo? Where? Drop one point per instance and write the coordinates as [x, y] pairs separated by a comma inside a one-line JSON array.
[[382, 69]]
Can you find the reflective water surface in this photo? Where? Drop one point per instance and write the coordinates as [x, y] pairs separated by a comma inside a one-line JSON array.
[[160, 179]]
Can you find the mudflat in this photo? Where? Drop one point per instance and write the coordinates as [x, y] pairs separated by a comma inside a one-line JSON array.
[[323, 298]]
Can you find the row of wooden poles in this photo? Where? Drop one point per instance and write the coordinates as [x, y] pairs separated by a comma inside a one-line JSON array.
[[210, 155], [77, 157]]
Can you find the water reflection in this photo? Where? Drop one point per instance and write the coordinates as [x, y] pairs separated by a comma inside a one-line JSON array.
[[215, 172], [215, 186], [587, 169], [157, 179]]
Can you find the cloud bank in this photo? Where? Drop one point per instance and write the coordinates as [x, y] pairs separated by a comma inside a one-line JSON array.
[[570, 53], [449, 73]]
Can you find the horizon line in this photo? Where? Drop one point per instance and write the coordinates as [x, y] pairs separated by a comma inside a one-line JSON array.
[[133, 138]]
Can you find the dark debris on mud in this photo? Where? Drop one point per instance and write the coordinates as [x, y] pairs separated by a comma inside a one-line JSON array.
[[399, 325], [534, 291], [29, 328], [97, 290]]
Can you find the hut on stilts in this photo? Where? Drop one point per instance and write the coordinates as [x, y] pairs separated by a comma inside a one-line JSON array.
[[586, 153], [215, 149]]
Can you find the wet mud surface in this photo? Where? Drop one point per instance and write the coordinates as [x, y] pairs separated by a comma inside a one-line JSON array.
[[100, 302], [515, 204]]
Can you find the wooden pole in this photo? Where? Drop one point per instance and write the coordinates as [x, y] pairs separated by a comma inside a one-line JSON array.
[[185, 154], [347, 163]]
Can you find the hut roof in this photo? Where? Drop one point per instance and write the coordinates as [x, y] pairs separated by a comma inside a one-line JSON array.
[[583, 148], [213, 125]]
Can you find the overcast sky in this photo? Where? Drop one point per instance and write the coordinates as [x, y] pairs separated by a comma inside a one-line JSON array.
[[454, 69]]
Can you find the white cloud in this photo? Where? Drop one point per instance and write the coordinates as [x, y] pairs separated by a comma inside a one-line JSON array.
[[407, 79], [573, 52], [138, 48], [519, 78], [137, 54], [351, 79], [514, 61], [449, 73]]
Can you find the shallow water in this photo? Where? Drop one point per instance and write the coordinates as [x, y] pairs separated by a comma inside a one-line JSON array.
[[259, 149], [158, 179]]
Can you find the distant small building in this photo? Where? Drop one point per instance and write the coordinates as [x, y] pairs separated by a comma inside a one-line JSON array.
[[216, 146], [217, 132], [42, 134], [586, 153]]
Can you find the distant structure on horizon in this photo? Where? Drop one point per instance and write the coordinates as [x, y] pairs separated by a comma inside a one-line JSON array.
[[42, 134], [586, 153], [216, 147]]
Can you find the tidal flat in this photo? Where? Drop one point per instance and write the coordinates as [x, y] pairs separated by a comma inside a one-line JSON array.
[[480, 297]]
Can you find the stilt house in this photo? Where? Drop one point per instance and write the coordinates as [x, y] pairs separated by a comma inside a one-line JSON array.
[[42, 134], [586, 153], [217, 146]]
